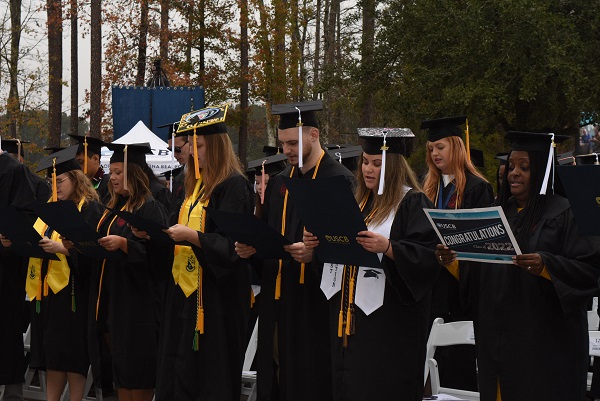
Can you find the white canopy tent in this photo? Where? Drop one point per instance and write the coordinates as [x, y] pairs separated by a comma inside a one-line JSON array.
[[160, 160]]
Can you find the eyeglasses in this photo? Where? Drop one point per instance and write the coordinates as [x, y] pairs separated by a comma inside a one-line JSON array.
[[177, 149], [58, 182]]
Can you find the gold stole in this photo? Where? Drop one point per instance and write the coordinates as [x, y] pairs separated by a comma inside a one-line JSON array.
[[57, 276], [283, 217]]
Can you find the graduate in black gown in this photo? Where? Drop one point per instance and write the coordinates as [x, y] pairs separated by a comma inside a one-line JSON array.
[[379, 316], [293, 355], [531, 330], [89, 152], [22, 189], [59, 289], [453, 182], [124, 299], [202, 342]]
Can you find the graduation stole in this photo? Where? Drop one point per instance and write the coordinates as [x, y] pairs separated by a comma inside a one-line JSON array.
[[443, 203], [57, 276], [283, 217]]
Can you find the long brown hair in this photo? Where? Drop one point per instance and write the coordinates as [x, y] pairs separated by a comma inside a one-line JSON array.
[[459, 165], [82, 187], [398, 173], [221, 162], [137, 186]]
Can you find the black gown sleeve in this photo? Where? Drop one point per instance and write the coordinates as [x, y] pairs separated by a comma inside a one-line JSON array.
[[414, 268]]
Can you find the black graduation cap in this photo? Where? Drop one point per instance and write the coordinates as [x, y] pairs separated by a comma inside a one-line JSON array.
[[135, 152], [371, 273], [269, 150], [53, 149], [167, 174], [14, 146], [172, 127], [94, 145], [273, 164], [565, 159], [502, 157], [293, 114], [207, 121], [61, 161], [477, 157], [346, 154], [443, 127], [592, 158]]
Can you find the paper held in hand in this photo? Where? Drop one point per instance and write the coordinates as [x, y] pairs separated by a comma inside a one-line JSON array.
[[481, 235]]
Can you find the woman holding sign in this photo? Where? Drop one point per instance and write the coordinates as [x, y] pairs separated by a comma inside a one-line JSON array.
[[453, 182], [208, 298], [59, 289], [379, 315], [531, 329]]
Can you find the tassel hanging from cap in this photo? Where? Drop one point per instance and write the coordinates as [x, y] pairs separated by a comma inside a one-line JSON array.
[[302, 267], [252, 299], [278, 282], [46, 285], [262, 185], [85, 155], [468, 141], [384, 150], [196, 163], [300, 147], [54, 190], [549, 164], [597, 162], [125, 168]]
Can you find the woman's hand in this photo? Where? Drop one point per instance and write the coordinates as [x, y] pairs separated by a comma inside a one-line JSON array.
[[180, 233], [5, 241], [373, 242], [444, 255], [532, 262], [310, 240], [244, 251], [113, 243], [299, 252], [139, 233], [52, 246], [67, 243]]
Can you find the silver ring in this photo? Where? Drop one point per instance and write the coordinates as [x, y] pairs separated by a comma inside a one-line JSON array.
[[441, 260], [528, 267]]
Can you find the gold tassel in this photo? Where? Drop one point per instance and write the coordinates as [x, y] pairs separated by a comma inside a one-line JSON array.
[[46, 285], [252, 299], [468, 144], [196, 165], [54, 190], [348, 321], [302, 265], [85, 155], [201, 320], [100, 285], [278, 282], [341, 323]]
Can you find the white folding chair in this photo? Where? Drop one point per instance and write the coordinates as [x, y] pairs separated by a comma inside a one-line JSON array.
[[445, 334], [30, 391], [249, 376]]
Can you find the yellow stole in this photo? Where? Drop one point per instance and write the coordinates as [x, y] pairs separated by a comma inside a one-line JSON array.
[[57, 276]]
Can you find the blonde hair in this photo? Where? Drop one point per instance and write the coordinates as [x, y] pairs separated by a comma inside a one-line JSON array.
[[82, 187], [398, 174], [459, 165], [138, 188], [221, 162]]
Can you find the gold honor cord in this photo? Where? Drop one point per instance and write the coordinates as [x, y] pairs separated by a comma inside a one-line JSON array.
[[85, 155], [283, 217], [104, 261]]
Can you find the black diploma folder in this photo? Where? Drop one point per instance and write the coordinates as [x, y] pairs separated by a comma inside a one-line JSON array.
[[25, 240]]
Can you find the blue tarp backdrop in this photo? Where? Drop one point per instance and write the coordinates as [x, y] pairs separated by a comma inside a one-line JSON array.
[[153, 106]]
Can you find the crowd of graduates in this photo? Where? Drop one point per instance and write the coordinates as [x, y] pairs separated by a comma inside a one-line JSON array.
[[166, 312]]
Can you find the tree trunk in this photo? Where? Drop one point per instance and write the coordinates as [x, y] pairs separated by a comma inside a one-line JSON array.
[[74, 128], [201, 73], [54, 12], [279, 87], [142, 44], [243, 136], [165, 6], [13, 104], [95, 67], [368, 41], [317, 59]]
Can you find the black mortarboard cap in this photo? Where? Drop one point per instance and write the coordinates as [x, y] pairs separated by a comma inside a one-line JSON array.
[[288, 114], [172, 127], [532, 141], [397, 140], [565, 159], [136, 152], [94, 145], [477, 157], [443, 127], [14, 146], [207, 121], [63, 160], [269, 150], [502, 157], [167, 174], [592, 158], [53, 149], [273, 164]]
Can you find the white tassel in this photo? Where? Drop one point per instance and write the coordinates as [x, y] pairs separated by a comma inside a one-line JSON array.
[[548, 168], [384, 148], [300, 147]]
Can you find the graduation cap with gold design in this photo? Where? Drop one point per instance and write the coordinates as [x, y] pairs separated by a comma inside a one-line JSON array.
[[59, 163], [380, 141], [207, 121], [298, 114]]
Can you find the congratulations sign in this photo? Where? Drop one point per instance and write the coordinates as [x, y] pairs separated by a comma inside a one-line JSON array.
[[481, 235]]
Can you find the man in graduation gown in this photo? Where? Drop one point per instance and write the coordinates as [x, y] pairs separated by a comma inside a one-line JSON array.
[[294, 360], [19, 188], [88, 156]]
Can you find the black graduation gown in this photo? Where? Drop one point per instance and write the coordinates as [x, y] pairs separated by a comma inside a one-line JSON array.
[[160, 193], [385, 357], [454, 301], [22, 189], [214, 371], [61, 339], [531, 333], [300, 318], [127, 305]]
